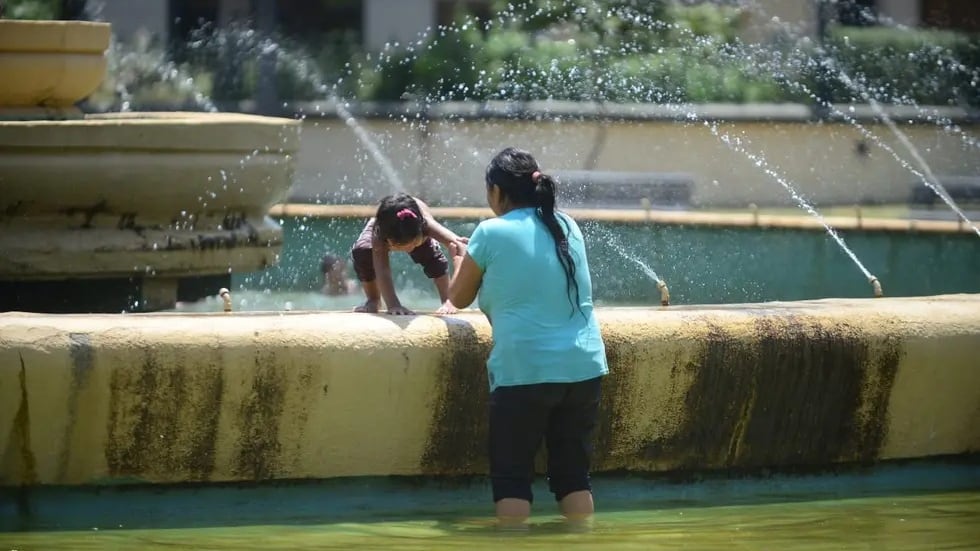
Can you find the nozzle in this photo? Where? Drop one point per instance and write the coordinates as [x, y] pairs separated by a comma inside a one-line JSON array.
[[664, 293], [225, 295], [876, 286]]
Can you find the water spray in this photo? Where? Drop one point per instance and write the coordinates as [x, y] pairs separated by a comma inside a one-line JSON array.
[[876, 286]]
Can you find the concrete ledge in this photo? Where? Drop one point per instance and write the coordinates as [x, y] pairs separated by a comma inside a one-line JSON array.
[[667, 217], [585, 110], [175, 397]]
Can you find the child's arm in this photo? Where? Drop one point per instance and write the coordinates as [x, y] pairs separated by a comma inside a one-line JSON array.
[[382, 272], [436, 230]]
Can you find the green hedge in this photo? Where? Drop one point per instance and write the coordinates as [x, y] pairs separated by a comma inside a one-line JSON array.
[[898, 66], [609, 58], [697, 57], [30, 9], [654, 51]]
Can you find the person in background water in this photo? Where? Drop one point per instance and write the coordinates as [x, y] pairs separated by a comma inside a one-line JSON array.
[[402, 223], [530, 269], [335, 281]]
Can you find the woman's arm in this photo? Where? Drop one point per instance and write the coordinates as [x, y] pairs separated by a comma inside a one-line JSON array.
[[467, 277]]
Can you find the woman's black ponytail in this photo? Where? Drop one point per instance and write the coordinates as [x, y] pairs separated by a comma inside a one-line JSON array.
[[544, 200]]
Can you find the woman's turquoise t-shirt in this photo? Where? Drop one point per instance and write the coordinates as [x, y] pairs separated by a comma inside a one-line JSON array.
[[538, 337]]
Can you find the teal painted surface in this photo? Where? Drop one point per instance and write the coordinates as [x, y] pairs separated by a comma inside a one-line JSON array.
[[700, 265], [366, 500]]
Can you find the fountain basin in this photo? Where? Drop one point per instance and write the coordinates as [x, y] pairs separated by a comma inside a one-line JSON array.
[[172, 398], [135, 211], [51, 63], [146, 194]]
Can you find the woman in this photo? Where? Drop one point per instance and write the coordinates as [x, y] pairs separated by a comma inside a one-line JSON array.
[[530, 269]]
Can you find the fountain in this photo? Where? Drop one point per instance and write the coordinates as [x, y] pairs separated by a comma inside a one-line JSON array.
[[191, 415], [123, 211]]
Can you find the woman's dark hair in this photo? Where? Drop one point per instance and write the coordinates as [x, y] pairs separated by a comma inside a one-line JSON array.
[[516, 174], [399, 219]]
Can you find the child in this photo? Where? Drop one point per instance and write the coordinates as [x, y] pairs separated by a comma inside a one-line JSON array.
[[335, 282], [402, 223]]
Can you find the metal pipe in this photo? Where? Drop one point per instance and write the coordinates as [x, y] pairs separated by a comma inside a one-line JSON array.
[[664, 293], [225, 295], [876, 287]]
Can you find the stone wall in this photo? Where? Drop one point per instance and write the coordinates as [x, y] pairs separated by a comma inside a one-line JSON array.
[[442, 158], [241, 397]]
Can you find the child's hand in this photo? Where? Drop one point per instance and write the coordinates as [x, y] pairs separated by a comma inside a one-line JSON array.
[[400, 311], [447, 308]]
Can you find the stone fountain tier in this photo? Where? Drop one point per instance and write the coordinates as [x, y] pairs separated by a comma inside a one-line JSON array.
[[127, 211], [144, 199], [47, 66]]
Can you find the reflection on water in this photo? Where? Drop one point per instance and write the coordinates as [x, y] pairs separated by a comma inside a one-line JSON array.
[[895, 507], [931, 521]]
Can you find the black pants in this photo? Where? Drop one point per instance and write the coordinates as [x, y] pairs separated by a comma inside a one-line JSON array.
[[563, 414]]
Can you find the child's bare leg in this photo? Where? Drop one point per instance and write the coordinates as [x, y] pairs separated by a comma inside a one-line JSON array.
[[373, 296]]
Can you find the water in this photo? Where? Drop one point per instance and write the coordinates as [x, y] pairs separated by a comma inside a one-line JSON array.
[[139, 63], [392, 175], [703, 265], [737, 53], [612, 242], [895, 507], [760, 162], [946, 60], [369, 142], [710, 265], [599, 83], [929, 179], [904, 523]]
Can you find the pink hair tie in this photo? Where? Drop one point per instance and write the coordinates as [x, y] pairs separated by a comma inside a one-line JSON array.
[[405, 213], [535, 176]]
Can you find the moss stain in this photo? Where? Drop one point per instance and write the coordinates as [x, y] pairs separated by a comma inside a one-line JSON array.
[[795, 395], [259, 417], [163, 417], [615, 404], [82, 359], [458, 432], [20, 443]]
